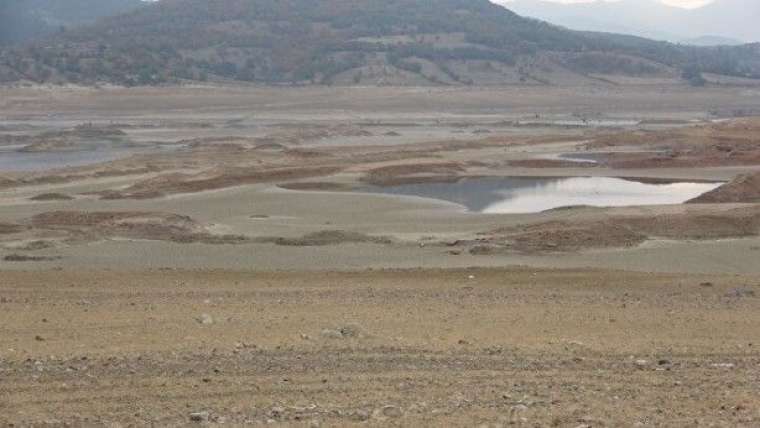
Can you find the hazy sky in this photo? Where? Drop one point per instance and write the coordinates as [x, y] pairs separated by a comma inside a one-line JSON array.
[[679, 3]]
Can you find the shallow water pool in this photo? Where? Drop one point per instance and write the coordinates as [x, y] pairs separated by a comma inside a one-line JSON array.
[[518, 195]]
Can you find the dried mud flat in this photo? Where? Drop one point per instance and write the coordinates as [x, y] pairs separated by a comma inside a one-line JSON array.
[[262, 167], [474, 347]]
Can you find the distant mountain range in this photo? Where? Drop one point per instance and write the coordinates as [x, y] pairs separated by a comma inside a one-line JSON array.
[[720, 22], [378, 42], [22, 20]]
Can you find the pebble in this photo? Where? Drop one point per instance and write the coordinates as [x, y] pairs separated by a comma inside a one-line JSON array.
[[331, 334], [341, 333], [392, 412], [739, 293], [199, 416], [723, 365], [518, 408], [205, 319], [276, 412], [360, 415]]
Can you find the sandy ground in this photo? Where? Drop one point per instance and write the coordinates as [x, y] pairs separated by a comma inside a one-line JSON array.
[[228, 272], [499, 347]]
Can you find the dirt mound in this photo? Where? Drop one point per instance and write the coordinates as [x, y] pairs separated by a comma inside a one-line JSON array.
[[551, 163], [64, 140], [51, 197], [263, 144], [132, 225], [88, 130], [326, 237], [10, 228], [317, 185], [409, 172], [618, 231], [26, 258], [561, 236], [729, 143], [34, 246], [735, 223], [184, 183], [745, 188], [7, 182], [220, 148]]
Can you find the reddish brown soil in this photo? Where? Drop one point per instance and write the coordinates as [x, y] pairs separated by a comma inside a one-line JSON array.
[[402, 173], [743, 189], [184, 183], [134, 225], [730, 143], [551, 163], [9, 228], [616, 230], [326, 237], [316, 185]]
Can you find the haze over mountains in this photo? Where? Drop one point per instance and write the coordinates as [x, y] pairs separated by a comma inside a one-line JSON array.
[[21, 20], [720, 22], [378, 42]]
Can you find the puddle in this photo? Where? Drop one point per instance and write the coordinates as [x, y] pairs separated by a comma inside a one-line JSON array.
[[12, 160], [519, 195]]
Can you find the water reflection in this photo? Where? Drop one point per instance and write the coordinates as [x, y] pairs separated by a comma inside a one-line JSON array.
[[514, 195]]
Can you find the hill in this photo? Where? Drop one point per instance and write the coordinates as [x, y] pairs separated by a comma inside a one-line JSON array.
[[723, 20], [711, 41], [352, 42], [23, 20]]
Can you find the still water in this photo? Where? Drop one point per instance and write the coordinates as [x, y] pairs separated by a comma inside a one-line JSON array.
[[517, 195], [13, 160]]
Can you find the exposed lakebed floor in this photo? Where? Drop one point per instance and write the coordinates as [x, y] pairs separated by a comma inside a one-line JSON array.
[[141, 291]]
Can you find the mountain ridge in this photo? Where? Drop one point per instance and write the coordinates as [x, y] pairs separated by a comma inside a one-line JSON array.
[[454, 42]]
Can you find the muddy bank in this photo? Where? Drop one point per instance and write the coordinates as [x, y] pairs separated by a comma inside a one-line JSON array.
[[607, 229], [46, 197], [10, 228], [743, 189], [413, 172], [707, 145], [325, 237], [185, 183], [316, 186], [79, 226]]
